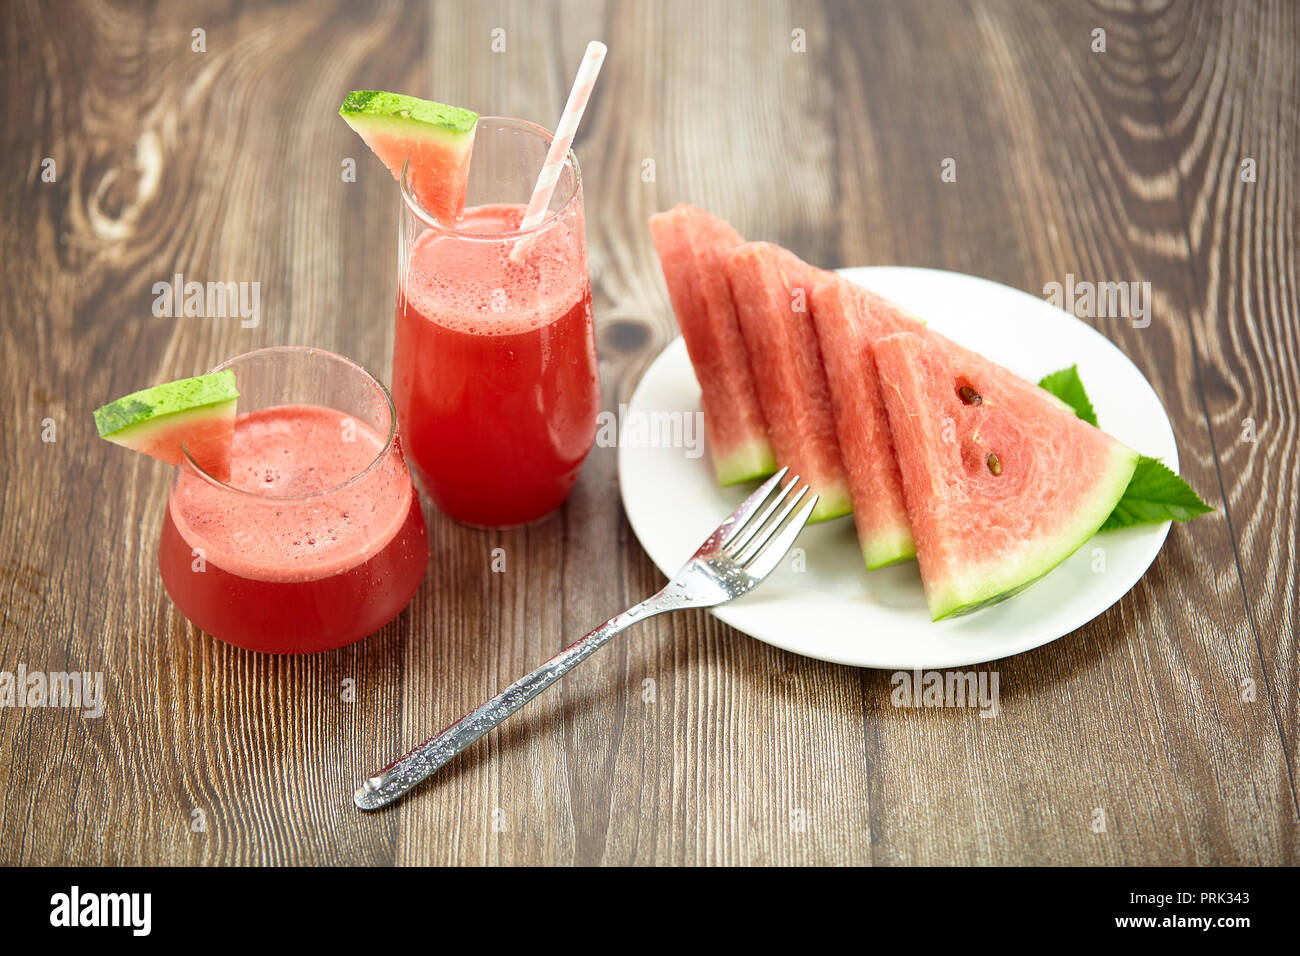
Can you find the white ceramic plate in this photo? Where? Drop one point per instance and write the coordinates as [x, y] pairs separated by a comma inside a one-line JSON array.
[[822, 603]]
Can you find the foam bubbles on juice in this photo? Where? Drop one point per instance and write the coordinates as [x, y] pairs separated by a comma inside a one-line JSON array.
[[286, 528], [476, 287]]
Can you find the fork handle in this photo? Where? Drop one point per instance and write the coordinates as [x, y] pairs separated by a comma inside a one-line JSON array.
[[401, 775]]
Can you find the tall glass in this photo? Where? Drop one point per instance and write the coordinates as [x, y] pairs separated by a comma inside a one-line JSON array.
[[317, 539], [494, 364]]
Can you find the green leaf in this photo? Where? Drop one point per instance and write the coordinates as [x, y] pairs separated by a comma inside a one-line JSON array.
[[1155, 494], [1068, 387]]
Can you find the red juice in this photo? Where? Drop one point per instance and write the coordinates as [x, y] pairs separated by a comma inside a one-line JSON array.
[[317, 541], [494, 366]]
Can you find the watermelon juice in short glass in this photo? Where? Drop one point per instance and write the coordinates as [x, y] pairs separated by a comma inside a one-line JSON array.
[[317, 539], [494, 364]]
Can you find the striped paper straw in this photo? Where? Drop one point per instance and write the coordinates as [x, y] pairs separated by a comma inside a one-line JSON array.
[[564, 133]]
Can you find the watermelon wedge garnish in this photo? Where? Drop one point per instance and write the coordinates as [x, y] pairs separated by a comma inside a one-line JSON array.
[[847, 326], [1002, 480], [693, 246], [436, 138], [771, 288], [194, 414]]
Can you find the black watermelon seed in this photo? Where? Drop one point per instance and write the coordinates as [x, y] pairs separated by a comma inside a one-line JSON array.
[[970, 396], [995, 464]]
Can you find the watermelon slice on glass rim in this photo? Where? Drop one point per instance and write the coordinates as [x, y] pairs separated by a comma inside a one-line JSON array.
[[435, 138], [195, 415]]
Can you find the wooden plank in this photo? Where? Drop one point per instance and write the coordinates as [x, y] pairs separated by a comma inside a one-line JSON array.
[[686, 742], [1062, 168], [1225, 89]]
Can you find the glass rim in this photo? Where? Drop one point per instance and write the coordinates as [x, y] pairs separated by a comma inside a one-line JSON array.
[[383, 452], [431, 221]]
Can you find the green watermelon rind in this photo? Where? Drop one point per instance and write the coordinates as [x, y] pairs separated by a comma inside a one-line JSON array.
[[993, 582], [141, 411], [886, 549], [407, 115], [748, 462], [139, 437], [833, 502], [370, 128]]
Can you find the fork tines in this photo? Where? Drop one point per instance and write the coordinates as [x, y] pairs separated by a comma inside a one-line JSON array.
[[754, 527]]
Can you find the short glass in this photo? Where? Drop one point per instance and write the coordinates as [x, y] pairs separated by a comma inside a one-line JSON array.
[[317, 539], [494, 363]]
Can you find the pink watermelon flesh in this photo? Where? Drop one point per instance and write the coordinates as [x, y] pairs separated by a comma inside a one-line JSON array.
[[771, 288], [206, 435], [439, 171], [981, 536], [692, 246], [437, 140], [847, 326]]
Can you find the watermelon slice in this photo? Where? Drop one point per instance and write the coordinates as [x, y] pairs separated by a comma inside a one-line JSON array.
[[436, 138], [771, 288], [692, 246], [194, 414], [1002, 481], [848, 320]]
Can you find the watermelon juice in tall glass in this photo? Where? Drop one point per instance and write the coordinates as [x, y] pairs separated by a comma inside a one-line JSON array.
[[317, 540], [494, 364]]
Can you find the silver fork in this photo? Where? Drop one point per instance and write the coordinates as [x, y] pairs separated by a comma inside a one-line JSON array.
[[732, 561]]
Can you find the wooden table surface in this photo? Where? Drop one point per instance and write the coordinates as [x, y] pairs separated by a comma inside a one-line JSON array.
[[1175, 712]]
